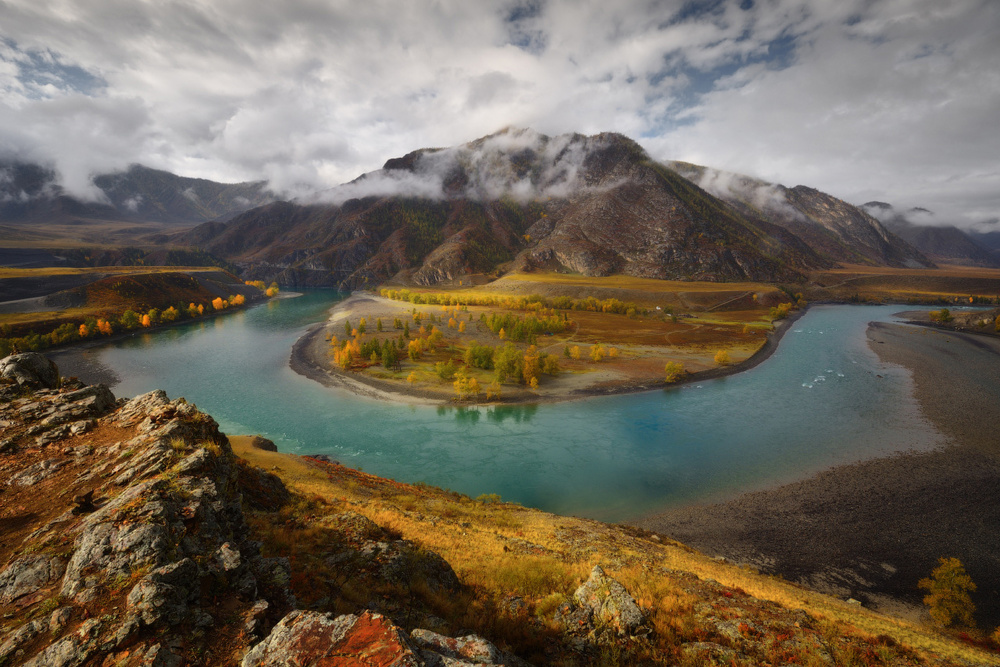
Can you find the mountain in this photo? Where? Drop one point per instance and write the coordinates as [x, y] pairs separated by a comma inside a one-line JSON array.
[[833, 228], [942, 243], [595, 205], [31, 195]]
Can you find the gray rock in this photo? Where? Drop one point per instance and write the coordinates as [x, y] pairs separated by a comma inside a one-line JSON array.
[[470, 649], [165, 593], [610, 602], [36, 473], [30, 370], [28, 574], [72, 650], [160, 656], [20, 637], [258, 442], [59, 619], [136, 409]]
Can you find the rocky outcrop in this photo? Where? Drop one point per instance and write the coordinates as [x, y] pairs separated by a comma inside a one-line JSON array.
[[601, 608], [30, 371], [145, 535], [367, 640]]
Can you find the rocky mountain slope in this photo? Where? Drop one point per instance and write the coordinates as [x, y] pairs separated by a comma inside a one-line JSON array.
[[833, 228], [595, 205], [132, 535], [942, 243], [30, 196]]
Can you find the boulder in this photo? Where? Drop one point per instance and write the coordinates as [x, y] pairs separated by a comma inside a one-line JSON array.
[[258, 442], [610, 603], [30, 370], [311, 638]]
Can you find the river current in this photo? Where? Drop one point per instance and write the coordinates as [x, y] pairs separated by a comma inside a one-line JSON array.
[[821, 400]]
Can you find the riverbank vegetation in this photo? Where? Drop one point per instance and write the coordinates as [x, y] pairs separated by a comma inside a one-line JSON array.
[[121, 303]]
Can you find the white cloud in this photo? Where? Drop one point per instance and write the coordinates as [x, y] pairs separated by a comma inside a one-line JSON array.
[[894, 100]]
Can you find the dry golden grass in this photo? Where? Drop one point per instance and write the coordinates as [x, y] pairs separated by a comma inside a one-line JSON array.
[[500, 549], [6, 272]]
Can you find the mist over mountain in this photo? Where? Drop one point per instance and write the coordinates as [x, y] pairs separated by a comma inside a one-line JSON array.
[[833, 228], [942, 243], [518, 199], [31, 194]]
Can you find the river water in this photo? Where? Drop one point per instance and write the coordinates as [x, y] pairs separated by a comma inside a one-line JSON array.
[[822, 399]]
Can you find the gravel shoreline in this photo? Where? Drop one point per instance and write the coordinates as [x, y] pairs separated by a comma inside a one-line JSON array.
[[872, 529]]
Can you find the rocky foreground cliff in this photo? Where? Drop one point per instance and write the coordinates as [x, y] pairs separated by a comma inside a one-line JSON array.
[[133, 535]]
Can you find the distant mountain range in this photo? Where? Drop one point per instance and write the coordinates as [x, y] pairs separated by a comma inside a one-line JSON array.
[[942, 243], [31, 194], [517, 199]]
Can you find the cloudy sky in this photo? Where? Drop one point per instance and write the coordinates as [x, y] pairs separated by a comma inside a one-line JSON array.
[[897, 100]]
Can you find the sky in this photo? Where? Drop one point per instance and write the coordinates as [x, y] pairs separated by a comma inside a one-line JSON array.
[[892, 100]]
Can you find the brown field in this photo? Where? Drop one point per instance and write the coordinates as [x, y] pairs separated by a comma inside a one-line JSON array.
[[944, 284]]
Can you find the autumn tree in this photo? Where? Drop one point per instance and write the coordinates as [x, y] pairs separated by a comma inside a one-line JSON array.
[[147, 321], [461, 327], [130, 319], [574, 352], [390, 358], [493, 391], [530, 366], [673, 371], [362, 326], [154, 316], [948, 590], [170, 314], [378, 324], [597, 352], [219, 303], [507, 362], [348, 328], [104, 327], [237, 300], [722, 358]]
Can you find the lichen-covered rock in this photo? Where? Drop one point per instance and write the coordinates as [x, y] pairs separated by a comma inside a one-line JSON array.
[[610, 602], [309, 638], [71, 650], [402, 562], [165, 593], [28, 574], [30, 370], [469, 649], [36, 473]]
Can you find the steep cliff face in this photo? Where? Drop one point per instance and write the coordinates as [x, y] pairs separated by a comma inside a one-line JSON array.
[[833, 228]]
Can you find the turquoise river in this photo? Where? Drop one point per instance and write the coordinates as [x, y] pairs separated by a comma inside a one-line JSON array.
[[821, 400]]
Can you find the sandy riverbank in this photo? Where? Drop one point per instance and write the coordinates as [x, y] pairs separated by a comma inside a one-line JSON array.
[[871, 530], [310, 357]]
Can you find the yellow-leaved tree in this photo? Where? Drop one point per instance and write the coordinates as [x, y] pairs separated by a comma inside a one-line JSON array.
[[722, 358], [673, 371], [948, 590]]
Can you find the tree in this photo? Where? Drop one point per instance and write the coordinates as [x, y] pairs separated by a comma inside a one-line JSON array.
[[237, 300], [170, 314], [507, 363], [574, 352], [348, 328], [219, 303], [147, 321], [390, 358], [597, 352], [104, 327], [362, 326], [948, 590], [154, 316], [378, 324], [130, 319], [493, 390], [673, 371], [461, 327], [722, 358]]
